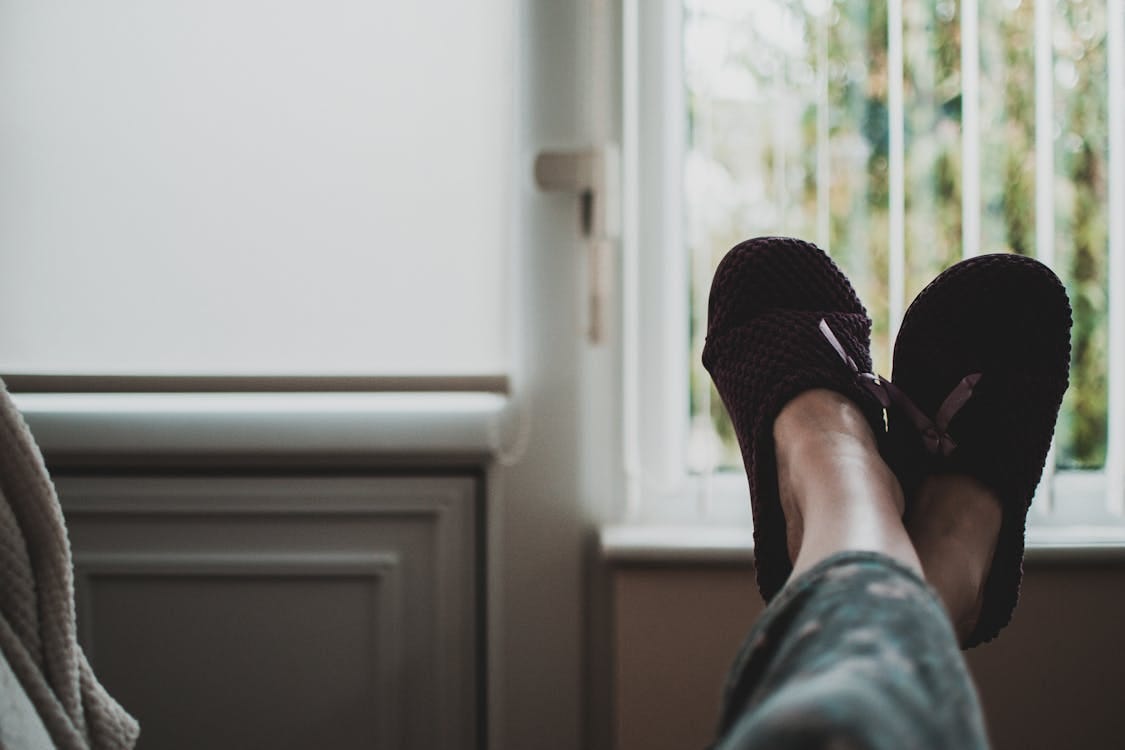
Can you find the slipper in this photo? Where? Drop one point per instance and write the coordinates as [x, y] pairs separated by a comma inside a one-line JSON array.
[[783, 319], [980, 367]]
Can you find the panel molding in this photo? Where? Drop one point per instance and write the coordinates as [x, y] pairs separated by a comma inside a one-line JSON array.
[[263, 495], [382, 571], [403, 533]]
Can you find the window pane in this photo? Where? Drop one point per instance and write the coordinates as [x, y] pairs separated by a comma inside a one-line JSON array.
[[1007, 135], [859, 141], [932, 103], [751, 161], [1081, 143], [788, 106]]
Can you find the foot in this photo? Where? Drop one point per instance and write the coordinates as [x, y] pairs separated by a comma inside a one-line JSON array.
[[982, 356], [954, 523], [770, 301], [836, 492]]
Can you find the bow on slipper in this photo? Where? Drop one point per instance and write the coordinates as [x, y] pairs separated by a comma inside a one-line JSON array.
[[934, 432]]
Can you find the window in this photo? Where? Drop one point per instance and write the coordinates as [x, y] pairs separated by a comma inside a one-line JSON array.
[[899, 135]]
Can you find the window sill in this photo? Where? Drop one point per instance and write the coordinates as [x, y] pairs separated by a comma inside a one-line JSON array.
[[727, 545], [87, 428]]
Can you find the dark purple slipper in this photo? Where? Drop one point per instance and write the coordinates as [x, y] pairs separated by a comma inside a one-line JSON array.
[[782, 319], [980, 367]]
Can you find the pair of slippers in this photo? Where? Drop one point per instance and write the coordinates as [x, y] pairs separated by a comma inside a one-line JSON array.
[[980, 367]]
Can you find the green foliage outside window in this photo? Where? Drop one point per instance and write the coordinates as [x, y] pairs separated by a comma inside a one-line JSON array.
[[760, 74]]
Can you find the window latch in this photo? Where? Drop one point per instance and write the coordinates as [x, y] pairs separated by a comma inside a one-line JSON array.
[[594, 176]]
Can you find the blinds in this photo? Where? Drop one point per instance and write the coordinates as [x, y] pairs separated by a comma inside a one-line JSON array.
[[253, 187]]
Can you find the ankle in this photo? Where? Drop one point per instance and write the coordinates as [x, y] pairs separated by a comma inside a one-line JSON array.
[[821, 419], [827, 452], [837, 492]]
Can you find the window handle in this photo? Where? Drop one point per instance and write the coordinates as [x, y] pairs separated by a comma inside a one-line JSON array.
[[594, 176]]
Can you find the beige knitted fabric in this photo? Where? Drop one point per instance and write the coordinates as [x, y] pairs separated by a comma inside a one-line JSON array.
[[38, 636]]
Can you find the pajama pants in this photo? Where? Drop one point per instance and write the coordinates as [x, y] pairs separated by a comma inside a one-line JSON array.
[[856, 653]]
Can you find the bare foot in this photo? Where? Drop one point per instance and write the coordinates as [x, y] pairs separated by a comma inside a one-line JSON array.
[[954, 523], [836, 491]]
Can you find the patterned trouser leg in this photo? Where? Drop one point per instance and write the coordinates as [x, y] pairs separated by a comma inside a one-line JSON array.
[[856, 653]]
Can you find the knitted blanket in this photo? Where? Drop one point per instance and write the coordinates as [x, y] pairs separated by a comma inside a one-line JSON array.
[[38, 636]]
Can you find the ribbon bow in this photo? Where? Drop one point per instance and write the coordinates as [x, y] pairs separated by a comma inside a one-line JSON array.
[[934, 432]]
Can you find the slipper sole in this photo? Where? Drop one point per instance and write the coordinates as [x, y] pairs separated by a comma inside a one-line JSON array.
[[1008, 318]]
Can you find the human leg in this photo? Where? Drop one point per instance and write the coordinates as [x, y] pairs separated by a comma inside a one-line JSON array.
[[857, 650], [836, 492]]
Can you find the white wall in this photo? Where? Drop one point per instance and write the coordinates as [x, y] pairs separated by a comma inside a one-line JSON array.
[[543, 688], [555, 693], [253, 186]]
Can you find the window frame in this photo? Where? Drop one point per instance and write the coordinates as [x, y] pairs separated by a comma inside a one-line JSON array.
[[1071, 508]]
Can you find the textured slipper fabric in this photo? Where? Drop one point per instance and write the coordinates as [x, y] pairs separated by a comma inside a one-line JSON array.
[[764, 347], [1007, 318]]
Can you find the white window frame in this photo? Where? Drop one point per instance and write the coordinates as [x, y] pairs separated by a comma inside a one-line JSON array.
[[1071, 507]]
